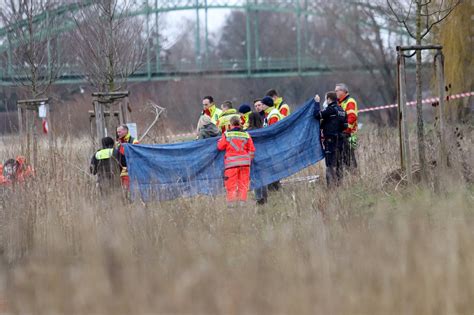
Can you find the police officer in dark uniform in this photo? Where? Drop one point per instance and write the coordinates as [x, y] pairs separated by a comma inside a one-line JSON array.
[[333, 122]]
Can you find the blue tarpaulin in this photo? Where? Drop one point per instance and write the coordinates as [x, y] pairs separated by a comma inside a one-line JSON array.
[[169, 171]]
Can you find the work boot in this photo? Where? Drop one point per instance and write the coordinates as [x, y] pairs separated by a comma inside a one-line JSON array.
[[274, 186]]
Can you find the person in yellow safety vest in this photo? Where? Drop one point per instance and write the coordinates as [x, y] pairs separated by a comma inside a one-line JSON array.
[[279, 103], [272, 115], [223, 123], [245, 112], [350, 107], [210, 109]]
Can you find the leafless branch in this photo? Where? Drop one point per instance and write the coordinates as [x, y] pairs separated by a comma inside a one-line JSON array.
[[158, 110], [432, 13], [31, 43], [404, 21], [441, 16], [110, 45]]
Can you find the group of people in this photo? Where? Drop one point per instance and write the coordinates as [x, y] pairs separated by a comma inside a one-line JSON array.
[[338, 119], [215, 121], [338, 132], [233, 125]]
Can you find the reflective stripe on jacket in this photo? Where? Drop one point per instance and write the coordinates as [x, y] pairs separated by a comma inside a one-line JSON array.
[[244, 119], [213, 112], [104, 154], [238, 147], [282, 107], [127, 139], [349, 105], [272, 116]]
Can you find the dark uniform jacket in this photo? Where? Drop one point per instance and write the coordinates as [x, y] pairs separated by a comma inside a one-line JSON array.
[[334, 120]]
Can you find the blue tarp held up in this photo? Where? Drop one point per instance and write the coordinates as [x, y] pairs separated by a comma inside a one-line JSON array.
[[169, 171]]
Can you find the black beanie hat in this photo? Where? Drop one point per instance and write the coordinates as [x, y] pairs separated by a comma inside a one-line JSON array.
[[108, 142], [244, 108], [267, 100]]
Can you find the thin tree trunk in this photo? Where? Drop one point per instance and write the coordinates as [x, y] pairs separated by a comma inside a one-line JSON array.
[[419, 110]]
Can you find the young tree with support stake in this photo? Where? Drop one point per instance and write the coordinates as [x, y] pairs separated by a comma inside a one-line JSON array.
[[33, 66], [32, 61], [418, 18], [110, 49]]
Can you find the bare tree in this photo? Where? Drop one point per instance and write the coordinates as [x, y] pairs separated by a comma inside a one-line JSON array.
[[361, 38], [109, 44], [31, 43], [418, 17]]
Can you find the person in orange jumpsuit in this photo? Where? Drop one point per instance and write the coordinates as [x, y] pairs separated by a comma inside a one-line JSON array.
[[239, 152]]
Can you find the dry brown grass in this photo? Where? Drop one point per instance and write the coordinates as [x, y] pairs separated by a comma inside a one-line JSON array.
[[363, 249]]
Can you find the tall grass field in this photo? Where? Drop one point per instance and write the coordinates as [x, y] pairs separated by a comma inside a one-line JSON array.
[[375, 245]]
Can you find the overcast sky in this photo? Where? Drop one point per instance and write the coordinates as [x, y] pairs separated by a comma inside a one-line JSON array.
[[173, 27]]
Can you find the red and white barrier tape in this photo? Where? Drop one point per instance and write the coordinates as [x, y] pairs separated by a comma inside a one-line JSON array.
[[425, 101], [183, 135]]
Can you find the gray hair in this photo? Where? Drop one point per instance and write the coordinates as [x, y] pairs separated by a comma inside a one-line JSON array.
[[343, 87], [123, 127]]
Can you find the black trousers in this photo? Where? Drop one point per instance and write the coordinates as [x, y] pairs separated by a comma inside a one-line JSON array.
[[274, 186], [333, 149]]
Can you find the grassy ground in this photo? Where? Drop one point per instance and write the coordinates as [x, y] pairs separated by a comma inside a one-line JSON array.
[[370, 247]]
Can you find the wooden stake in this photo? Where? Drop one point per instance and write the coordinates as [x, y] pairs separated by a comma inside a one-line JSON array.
[[121, 113], [400, 135], [99, 120], [20, 129], [402, 103]]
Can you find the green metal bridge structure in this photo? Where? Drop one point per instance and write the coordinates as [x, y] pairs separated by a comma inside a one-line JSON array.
[[156, 68]]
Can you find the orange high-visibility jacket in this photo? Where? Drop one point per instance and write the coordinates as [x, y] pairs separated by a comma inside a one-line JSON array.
[[272, 116], [350, 107], [127, 139], [238, 146], [282, 107], [121, 152]]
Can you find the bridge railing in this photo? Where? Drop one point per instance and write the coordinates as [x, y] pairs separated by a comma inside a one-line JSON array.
[[230, 65], [164, 70], [184, 67]]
